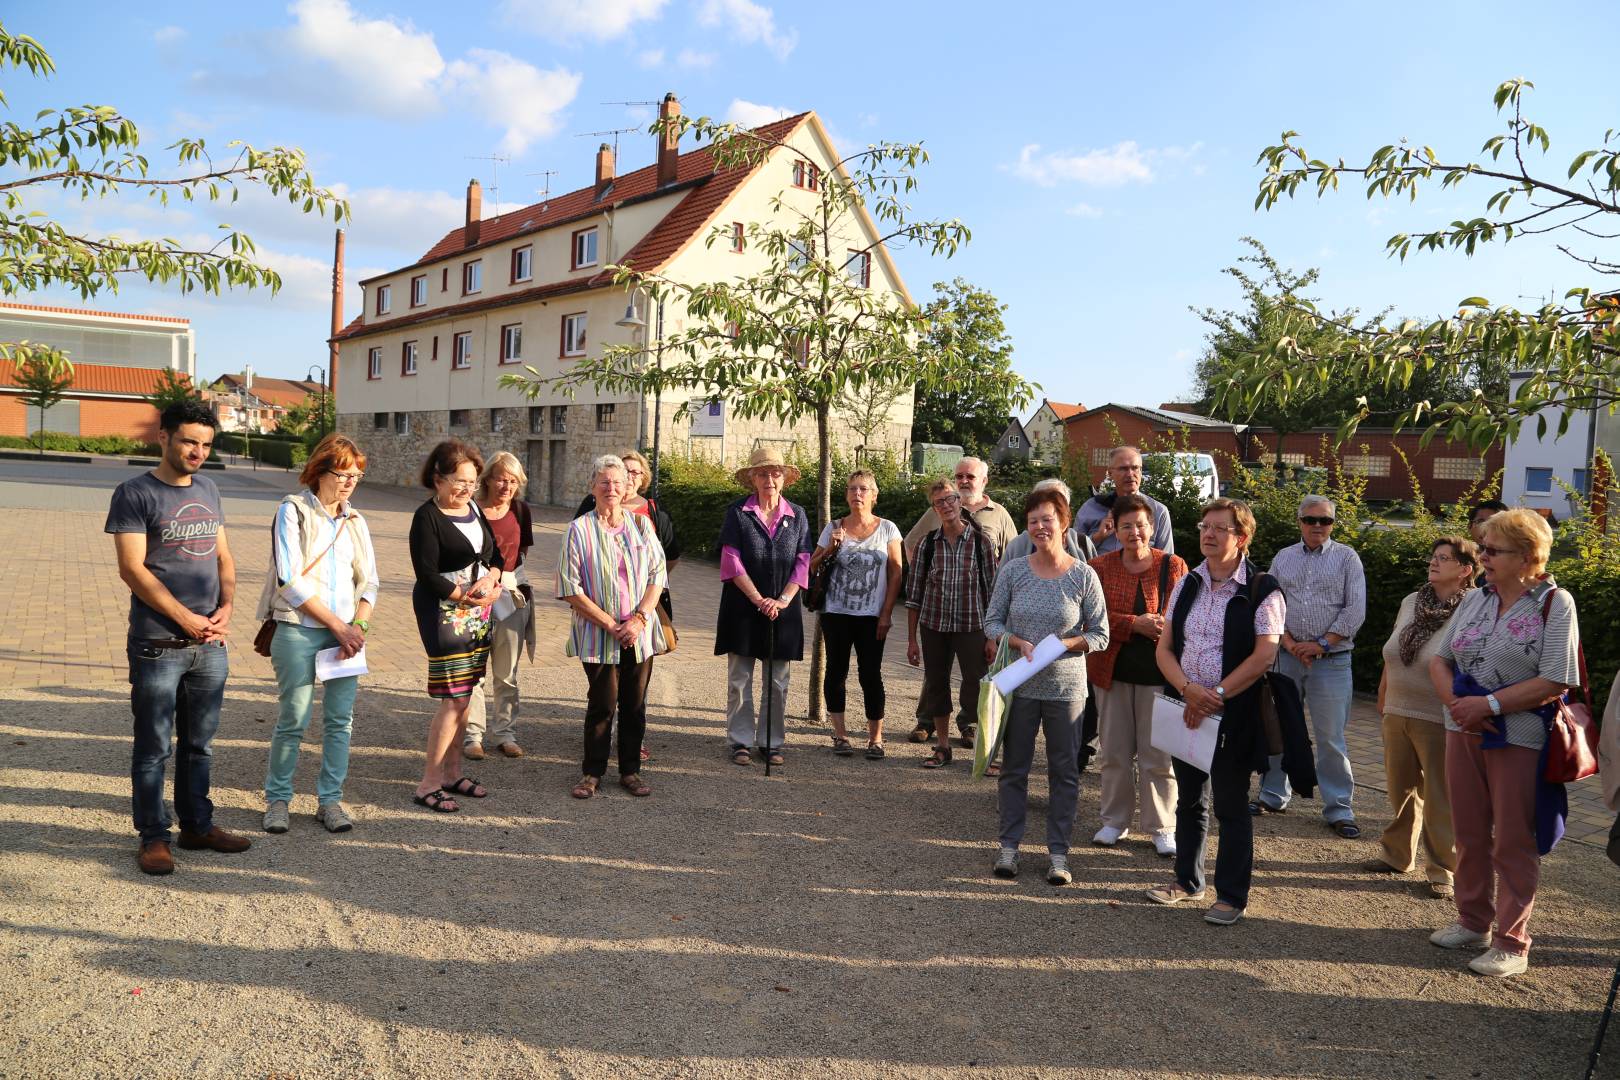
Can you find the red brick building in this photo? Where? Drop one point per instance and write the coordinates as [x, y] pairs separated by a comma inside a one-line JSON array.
[[1444, 472]]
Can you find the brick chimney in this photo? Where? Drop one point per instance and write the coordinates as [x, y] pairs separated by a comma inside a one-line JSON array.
[[604, 168], [668, 138], [475, 212], [337, 314]]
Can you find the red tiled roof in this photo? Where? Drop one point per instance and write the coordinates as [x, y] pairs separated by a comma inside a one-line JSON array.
[[283, 392], [97, 379], [87, 311], [1062, 411]]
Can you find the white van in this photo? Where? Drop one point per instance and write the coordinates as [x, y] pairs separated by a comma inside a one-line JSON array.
[[1201, 467]]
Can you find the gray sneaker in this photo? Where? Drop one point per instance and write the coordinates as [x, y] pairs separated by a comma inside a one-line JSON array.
[[1058, 872], [334, 817], [1006, 863], [275, 818]]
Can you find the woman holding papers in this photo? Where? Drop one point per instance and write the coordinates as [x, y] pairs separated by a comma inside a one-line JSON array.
[[1136, 582], [1226, 619], [320, 595], [1049, 593]]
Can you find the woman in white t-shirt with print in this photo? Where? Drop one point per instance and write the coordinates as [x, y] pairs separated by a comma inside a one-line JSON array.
[[862, 587]]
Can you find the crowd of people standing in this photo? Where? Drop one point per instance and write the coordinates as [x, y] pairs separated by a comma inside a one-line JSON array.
[[1475, 665]]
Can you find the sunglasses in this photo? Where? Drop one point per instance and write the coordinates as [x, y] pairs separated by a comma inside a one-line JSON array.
[[1313, 520], [1493, 552]]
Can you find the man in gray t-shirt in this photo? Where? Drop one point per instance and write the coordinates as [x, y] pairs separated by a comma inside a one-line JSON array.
[[169, 534]]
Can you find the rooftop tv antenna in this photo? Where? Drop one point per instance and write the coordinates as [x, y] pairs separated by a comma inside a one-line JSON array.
[[495, 179], [545, 180], [615, 132]]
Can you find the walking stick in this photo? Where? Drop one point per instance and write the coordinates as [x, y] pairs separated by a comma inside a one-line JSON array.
[[770, 673], [1603, 1026]]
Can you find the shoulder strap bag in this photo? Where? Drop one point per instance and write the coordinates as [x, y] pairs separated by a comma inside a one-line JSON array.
[[1571, 738], [267, 629]]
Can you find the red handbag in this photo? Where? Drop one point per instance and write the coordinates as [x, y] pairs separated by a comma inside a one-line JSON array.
[[1572, 739]]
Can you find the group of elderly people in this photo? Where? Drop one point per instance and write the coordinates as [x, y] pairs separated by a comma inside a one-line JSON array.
[[1475, 664]]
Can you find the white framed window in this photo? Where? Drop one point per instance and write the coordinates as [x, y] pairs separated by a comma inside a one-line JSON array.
[[584, 248], [859, 268], [419, 290], [407, 358], [512, 343], [806, 175], [402, 423], [374, 364], [472, 276], [1538, 481], [573, 334], [1366, 464], [1015, 442], [461, 351], [523, 263], [385, 298]]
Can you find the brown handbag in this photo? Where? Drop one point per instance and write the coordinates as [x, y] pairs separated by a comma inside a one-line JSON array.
[[267, 629], [1572, 740], [667, 620]]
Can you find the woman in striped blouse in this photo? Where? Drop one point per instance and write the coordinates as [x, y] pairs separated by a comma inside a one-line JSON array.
[[612, 573]]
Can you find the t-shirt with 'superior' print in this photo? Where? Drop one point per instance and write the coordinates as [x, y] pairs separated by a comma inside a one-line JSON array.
[[182, 545], [860, 571]]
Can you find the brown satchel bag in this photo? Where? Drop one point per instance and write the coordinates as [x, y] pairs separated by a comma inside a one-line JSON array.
[[267, 629], [1571, 739]]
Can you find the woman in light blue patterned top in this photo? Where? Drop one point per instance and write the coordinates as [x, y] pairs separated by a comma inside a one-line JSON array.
[[1049, 592]]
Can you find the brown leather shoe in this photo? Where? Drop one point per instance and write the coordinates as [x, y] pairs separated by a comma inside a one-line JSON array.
[[155, 858], [215, 839], [473, 751], [510, 749]]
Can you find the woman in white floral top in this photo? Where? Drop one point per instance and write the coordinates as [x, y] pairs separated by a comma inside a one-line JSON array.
[[1512, 649]]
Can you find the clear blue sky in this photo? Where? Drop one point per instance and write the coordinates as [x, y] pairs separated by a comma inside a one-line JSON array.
[[1103, 157]]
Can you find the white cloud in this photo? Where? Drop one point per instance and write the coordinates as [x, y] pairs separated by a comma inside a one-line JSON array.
[[1083, 210], [515, 94], [1122, 164], [169, 35], [565, 19], [650, 58], [692, 60], [749, 23], [381, 65], [751, 115]]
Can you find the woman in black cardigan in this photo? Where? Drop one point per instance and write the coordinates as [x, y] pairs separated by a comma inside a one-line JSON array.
[[458, 575]]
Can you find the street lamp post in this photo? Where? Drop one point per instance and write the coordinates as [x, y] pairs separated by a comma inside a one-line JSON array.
[[633, 320]]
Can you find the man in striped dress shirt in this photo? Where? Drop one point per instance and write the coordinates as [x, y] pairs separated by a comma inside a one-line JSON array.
[[1327, 602]]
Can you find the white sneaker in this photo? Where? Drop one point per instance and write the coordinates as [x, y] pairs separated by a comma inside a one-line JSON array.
[[1108, 836], [1058, 872], [1499, 964], [334, 817], [1457, 936], [275, 817], [1006, 863], [1165, 844]]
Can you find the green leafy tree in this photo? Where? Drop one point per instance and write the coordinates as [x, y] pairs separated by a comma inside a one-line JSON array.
[[171, 388], [789, 338], [45, 375], [312, 419], [867, 409], [972, 411], [1571, 348], [93, 151]]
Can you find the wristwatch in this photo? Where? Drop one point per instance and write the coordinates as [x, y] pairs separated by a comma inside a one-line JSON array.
[[1220, 692], [363, 624], [1496, 706], [1327, 646]]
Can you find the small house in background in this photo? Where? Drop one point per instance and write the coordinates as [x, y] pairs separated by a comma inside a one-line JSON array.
[[1044, 431], [1013, 444], [117, 360], [1546, 473], [248, 401]]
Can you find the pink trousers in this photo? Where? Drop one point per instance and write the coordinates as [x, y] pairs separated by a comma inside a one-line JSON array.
[[1493, 812]]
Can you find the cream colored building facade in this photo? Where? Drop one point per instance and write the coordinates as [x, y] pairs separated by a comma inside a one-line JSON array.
[[531, 287]]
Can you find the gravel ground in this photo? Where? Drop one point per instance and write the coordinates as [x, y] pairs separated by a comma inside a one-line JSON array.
[[835, 919]]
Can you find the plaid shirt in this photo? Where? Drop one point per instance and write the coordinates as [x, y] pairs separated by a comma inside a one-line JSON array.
[[950, 597], [1326, 590], [1119, 591]]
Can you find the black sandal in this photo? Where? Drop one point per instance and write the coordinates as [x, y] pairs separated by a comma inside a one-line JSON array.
[[874, 751], [741, 756], [841, 746], [435, 800], [774, 757], [940, 758], [467, 786]]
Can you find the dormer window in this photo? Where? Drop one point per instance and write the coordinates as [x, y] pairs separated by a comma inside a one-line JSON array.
[[385, 298], [472, 277], [584, 249]]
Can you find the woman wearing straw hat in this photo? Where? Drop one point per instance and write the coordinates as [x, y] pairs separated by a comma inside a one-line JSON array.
[[764, 562]]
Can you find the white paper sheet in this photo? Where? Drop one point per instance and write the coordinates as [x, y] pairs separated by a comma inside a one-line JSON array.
[[329, 667], [1195, 746], [1020, 671]]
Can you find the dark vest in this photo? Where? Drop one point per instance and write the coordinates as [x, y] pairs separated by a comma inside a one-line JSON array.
[[1240, 727]]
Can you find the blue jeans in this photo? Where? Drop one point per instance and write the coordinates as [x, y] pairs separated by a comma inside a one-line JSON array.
[[292, 654], [1326, 689], [175, 695]]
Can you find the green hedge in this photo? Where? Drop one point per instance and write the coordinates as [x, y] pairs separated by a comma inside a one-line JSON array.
[[75, 444], [280, 452]]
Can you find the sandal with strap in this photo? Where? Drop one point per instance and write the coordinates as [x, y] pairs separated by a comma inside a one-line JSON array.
[[437, 800], [940, 758], [585, 788], [774, 757], [635, 785], [874, 751], [467, 786], [741, 756], [841, 746]]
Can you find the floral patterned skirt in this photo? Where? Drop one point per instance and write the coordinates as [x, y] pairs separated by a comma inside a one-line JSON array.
[[456, 639]]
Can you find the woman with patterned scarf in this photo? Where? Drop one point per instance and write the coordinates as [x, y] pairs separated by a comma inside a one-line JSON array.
[[1414, 726]]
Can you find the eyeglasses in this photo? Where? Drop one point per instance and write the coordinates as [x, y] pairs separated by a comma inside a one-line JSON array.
[[347, 477], [1493, 552], [1442, 557], [460, 485], [1313, 520], [1211, 527], [946, 500]]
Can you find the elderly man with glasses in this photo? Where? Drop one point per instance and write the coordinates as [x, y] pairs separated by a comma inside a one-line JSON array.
[[1327, 602], [1095, 519], [994, 524]]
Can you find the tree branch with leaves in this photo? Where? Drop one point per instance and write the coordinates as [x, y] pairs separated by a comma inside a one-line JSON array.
[[45, 376]]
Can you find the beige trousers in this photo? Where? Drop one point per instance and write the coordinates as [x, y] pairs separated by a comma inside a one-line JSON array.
[[1415, 769], [1134, 776]]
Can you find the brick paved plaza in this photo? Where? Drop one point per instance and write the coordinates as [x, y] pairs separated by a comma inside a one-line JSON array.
[[838, 919]]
